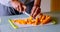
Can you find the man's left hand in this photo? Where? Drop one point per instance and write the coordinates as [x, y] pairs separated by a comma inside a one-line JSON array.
[[35, 11]]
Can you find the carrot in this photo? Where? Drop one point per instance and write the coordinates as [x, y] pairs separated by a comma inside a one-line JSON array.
[[33, 22], [46, 20], [21, 21], [36, 21], [30, 18], [42, 18], [29, 22]]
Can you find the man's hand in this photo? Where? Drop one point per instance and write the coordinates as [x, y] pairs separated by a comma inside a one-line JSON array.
[[36, 8], [35, 11], [20, 7]]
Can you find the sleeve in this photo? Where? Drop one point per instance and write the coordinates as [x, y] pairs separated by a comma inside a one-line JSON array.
[[5, 2]]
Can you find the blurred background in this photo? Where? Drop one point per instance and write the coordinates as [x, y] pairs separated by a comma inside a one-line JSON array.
[[50, 5]]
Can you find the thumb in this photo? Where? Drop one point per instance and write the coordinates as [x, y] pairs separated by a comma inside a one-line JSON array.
[[24, 8]]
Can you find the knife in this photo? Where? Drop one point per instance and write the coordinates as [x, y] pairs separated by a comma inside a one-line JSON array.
[[26, 13]]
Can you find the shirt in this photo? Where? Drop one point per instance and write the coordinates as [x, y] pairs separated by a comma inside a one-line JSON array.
[[7, 2]]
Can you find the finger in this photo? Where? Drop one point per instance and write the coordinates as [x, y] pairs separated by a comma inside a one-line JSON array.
[[33, 10], [24, 8], [17, 8], [20, 8], [36, 12]]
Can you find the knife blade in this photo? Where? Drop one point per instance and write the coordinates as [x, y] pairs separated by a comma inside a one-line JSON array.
[[26, 13]]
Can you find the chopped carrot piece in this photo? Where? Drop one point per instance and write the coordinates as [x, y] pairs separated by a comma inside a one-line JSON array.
[[46, 20], [43, 19], [20, 21], [36, 21]]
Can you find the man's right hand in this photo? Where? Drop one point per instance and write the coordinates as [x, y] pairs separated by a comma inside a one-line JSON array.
[[20, 7]]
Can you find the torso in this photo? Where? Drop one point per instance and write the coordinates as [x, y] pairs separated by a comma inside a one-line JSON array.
[[26, 1]]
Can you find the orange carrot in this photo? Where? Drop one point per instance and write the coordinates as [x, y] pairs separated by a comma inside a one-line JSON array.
[[42, 18], [36, 21], [46, 20]]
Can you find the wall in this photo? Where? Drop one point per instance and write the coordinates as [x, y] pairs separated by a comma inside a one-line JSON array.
[[45, 5], [55, 5]]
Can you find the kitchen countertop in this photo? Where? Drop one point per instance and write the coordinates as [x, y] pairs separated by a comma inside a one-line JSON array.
[[6, 27]]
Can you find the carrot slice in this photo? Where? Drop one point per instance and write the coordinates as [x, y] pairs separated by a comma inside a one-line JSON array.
[[46, 20], [36, 21], [42, 18], [20, 21]]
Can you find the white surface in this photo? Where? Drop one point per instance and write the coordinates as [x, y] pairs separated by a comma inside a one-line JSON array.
[[0, 20], [28, 25], [6, 27], [45, 5]]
